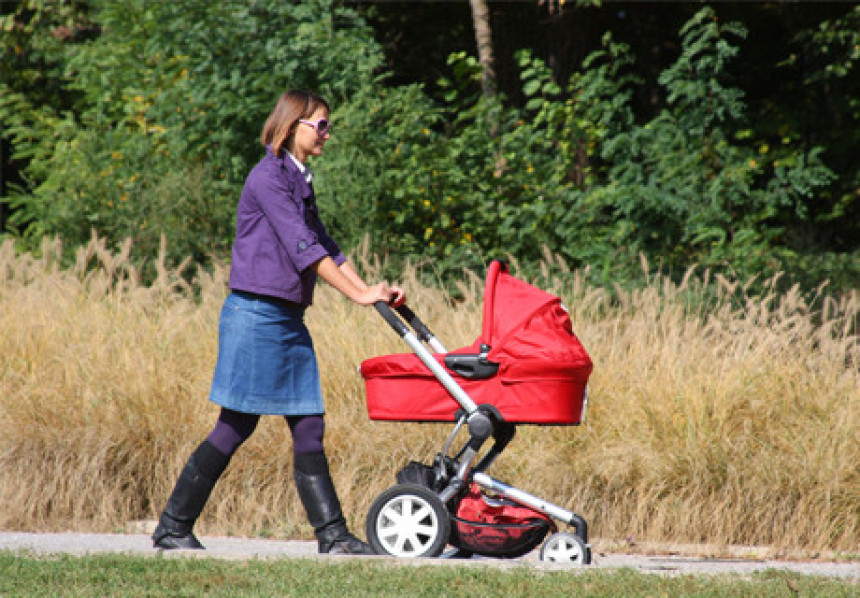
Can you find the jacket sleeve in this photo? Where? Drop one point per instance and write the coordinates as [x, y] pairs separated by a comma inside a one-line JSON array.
[[329, 243]]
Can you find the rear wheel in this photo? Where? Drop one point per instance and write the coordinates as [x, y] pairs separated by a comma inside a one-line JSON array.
[[565, 548], [408, 520]]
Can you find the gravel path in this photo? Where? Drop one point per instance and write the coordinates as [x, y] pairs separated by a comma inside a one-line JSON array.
[[246, 548]]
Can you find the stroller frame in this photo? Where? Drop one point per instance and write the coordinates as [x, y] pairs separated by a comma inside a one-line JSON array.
[[453, 475]]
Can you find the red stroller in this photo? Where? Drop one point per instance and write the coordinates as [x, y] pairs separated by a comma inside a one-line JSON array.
[[527, 367]]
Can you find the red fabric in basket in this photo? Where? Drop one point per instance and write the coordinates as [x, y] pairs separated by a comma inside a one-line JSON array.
[[475, 508]]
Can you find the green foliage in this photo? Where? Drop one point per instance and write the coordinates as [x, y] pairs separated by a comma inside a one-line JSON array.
[[696, 183], [172, 97], [32, 48], [574, 173], [581, 224], [140, 119], [831, 80], [692, 185], [449, 184], [837, 42]]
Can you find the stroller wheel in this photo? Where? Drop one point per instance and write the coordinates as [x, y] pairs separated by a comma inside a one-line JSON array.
[[408, 520], [565, 548]]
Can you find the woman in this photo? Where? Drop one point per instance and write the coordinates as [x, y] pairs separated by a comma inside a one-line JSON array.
[[266, 362]]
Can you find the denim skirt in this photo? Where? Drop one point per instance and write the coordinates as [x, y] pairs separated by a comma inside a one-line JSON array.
[[266, 360]]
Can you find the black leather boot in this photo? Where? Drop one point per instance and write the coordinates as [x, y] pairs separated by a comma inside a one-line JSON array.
[[319, 498], [192, 490]]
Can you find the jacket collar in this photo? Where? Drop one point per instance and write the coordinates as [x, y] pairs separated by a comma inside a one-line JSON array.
[[291, 164], [303, 169], [288, 163]]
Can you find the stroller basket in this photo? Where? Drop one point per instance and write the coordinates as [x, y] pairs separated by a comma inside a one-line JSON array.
[[504, 540], [496, 527], [484, 525]]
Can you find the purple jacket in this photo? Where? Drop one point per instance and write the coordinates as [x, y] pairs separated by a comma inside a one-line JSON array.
[[279, 233]]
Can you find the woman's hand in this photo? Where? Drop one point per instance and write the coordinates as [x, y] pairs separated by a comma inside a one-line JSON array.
[[398, 296], [393, 296]]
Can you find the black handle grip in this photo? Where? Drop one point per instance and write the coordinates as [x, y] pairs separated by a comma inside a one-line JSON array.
[[393, 320], [417, 325]]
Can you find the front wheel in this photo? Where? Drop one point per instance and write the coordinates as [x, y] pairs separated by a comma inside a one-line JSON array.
[[565, 548], [408, 520]]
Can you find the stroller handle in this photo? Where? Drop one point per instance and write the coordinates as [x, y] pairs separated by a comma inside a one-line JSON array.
[[407, 314], [389, 316]]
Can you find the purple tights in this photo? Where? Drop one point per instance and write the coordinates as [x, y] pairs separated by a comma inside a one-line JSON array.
[[234, 428]]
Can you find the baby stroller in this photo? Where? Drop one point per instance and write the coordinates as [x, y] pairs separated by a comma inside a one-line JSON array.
[[527, 367]]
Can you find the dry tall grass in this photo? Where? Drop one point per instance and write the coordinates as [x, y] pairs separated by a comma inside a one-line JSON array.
[[735, 425]]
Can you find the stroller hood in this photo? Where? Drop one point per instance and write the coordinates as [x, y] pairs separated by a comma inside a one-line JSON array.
[[523, 324]]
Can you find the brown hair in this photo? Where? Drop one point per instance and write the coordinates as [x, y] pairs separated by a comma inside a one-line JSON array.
[[292, 106]]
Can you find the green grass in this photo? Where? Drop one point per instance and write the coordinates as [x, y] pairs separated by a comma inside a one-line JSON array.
[[113, 575]]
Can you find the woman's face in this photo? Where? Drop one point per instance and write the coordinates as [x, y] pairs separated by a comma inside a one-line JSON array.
[[311, 134]]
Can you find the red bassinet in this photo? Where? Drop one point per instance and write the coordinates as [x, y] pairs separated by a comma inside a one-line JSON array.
[[542, 374]]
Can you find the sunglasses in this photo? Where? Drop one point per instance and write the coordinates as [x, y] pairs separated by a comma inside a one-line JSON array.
[[321, 126]]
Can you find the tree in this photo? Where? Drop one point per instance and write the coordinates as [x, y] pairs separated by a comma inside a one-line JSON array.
[[168, 101], [484, 39]]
